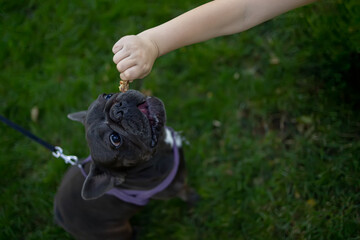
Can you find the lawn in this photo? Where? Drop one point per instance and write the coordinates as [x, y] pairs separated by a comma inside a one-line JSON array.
[[271, 116]]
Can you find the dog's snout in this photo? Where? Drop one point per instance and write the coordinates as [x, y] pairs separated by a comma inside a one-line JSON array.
[[123, 104], [119, 110], [120, 114]]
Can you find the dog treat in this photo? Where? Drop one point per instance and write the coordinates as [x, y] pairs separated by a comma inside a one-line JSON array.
[[123, 85]]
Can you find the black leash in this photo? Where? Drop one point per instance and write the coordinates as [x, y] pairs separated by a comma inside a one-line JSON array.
[[27, 133], [56, 151]]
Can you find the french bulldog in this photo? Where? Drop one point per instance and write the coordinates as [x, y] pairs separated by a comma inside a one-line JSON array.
[[130, 149]]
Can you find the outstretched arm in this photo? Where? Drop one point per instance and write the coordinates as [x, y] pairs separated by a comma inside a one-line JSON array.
[[136, 54]]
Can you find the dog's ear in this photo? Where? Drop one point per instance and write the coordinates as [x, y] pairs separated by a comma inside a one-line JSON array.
[[77, 116], [97, 183]]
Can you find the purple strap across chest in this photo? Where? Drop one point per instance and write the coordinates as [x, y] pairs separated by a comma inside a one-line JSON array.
[[141, 197]]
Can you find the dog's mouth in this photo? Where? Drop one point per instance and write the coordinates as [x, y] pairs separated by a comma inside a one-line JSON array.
[[153, 109]]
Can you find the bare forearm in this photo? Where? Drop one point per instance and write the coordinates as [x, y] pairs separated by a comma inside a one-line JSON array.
[[196, 25], [214, 19], [134, 55]]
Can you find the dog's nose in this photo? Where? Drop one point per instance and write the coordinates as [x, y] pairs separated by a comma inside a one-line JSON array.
[[118, 110], [123, 105]]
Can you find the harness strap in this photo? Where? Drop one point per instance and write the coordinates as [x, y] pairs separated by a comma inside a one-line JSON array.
[[141, 197]]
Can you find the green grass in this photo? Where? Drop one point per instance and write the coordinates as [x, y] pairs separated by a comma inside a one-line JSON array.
[[284, 162]]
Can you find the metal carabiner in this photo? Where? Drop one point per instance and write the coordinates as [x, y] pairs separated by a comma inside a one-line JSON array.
[[73, 160]]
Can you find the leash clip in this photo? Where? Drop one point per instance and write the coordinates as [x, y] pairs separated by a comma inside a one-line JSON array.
[[73, 160]]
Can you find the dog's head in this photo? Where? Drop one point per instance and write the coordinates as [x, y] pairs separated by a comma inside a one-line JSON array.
[[122, 131]]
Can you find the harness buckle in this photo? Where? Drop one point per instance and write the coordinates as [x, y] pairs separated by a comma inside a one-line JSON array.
[[72, 160]]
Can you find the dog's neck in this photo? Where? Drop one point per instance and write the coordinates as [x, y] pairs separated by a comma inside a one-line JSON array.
[[149, 174]]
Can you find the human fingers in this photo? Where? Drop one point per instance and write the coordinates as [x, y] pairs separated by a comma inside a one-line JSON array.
[[131, 74], [122, 42], [125, 64], [117, 46], [135, 72], [120, 55]]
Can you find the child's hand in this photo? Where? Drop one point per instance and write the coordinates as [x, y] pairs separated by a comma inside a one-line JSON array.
[[134, 56]]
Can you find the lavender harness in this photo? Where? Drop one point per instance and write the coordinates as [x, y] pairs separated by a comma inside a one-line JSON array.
[[141, 197]]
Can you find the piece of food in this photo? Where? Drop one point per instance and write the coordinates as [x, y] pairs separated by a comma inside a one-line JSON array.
[[123, 85]]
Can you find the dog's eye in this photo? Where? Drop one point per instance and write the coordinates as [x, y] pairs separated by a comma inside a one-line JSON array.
[[107, 96], [115, 140]]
